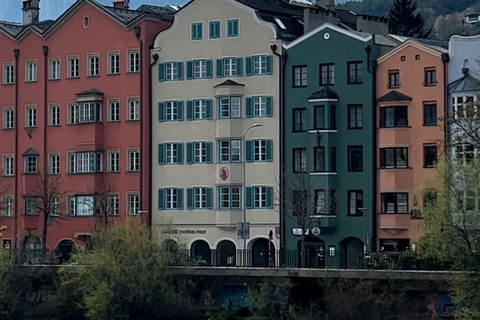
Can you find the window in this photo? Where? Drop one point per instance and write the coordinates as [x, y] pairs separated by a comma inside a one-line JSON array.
[[31, 71], [430, 114], [430, 156], [197, 31], [299, 121], [8, 166], [229, 107], [133, 160], [319, 118], [170, 153], [173, 110], [114, 111], [464, 153], [394, 203], [133, 61], [133, 109], [73, 67], [199, 109], [199, 69], [232, 28], [391, 117], [299, 201], [31, 163], [214, 29], [355, 116], [113, 204], [229, 197], [113, 63], [261, 150], [54, 69], [393, 158], [333, 159], [85, 112], [199, 152], [299, 76], [355, 158], [355, 72], [430, 77], [319, 159], [54, 163], [229, 67], [54, 206], [259, 65], [81, 205], [172, 71], [30, 205], [229, 150], [320, 202], [133, 203], [394, 79], [299, 160], [8, 73], [355, 200], [113, 161], [54, 115], [327, 74], [258, 197], [7, 206], [464, 107], [31, 117], [8, 120], [199, 198], [85, 162], [259, 106], [170, 199]]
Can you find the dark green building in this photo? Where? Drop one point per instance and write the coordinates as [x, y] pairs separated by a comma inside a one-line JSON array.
[[329, 133]]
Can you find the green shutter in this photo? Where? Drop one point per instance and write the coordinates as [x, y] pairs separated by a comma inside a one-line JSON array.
[[248, 151], [209, 152], [189, 110], [189, 70], [161, 199], [211, 29], [249, 197], [235, 28], [161, 153], [190, 202], [209, 196], [229, 28], [179, 153], [269, 106], [239, 67], [161, 72], [193, 30], [269, 197], [249, 111], [209, 68], [248, 66], [180, 198], [180, 70], [219, 68], [209, 109], [269, 150], [180, 110], [161, 112], [200, 31], [190, 151], [218, 197], [269, 65]]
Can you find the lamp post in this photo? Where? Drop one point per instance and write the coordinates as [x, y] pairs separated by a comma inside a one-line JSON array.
[[244, 222]]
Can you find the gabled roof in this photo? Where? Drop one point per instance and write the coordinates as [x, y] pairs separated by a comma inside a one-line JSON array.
[[229, 83], [465, 83], [324, 93], [89, 92], [394, 96], [419, 44], [30, 152]]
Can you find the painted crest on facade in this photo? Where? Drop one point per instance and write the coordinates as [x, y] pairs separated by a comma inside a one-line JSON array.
[[223, 173]]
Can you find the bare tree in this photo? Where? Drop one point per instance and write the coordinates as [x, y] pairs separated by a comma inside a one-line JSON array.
[[104, 205]]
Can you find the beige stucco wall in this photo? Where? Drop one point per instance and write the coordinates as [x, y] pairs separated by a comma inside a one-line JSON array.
[[255, 37]]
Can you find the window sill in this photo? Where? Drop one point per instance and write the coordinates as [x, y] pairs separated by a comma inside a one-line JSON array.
[[355, 128], [29, 173], [135, 72], [400, 213], [133, 120], [430, 125], [54, 79], [54, 126], [93, 76], [84, 123], [72, 78], [326, 84], [323, 216], [8, 129], [354, 83], [350, 170], [400, 127], [116, 172], [113, 74], [8, 84], [9, 176], [323, 173], [82, 173], [395, 168], [130, 172], [430, 85], [116, 121], [393, 87], [429, 167], [354, 215], [34, 81], [299, 86], [323, 131]]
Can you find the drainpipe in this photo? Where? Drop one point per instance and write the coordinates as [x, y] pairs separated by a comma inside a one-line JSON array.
[[446, 125], [45, 159], [150, 139], [282, 60], [16, 54]]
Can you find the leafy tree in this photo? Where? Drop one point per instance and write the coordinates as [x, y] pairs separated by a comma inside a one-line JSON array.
[[405, 20]]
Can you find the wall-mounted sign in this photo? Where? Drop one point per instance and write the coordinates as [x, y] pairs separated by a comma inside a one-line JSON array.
[[297, 231], [316, 231], [223, 173], [184, 231]]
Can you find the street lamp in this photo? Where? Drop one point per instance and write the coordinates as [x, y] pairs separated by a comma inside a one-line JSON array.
[[244, 231]]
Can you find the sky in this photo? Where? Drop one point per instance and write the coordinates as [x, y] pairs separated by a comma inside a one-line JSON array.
[[11, 10]]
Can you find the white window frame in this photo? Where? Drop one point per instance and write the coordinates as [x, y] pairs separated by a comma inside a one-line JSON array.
[[54, 163], [230, 67], [133, 60], [200, 152], [54, 119], [200, 198], [73, 67], [31, 164], [8, 118], [171, 110], [259, 149], [8, 73], [81, 205], [227, 194], [230, 107], [30, 206], [85, 162], [114, 62], [8, 165], [199, 69], [133, 160], [171, 153], [55, 69], [133, 105], [259, 197], [85, 112], [133, 203], [93, 64], [259, 65], [7, 205], [55, 206], [456, 104], [114, 111], [320, 201], [31, 71], [113, 161], [171, 198], [231, 149], [199, 109], [113, 204], [171, 71], [259, 104], [31, 117]]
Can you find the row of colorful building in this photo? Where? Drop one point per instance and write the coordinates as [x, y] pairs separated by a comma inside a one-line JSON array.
[[232, 124]]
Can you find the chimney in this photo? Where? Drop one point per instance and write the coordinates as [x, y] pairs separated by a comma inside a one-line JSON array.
[[31, 11], [124, 4]]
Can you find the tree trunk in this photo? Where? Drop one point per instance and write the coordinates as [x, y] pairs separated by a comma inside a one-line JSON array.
[[44, 233], [302, 253]]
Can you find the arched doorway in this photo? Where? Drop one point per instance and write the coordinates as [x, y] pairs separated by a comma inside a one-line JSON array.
[[314, 253], [64, 250], [31, 249], [201, 253], [226, 253], [352, 251], [263, 253]]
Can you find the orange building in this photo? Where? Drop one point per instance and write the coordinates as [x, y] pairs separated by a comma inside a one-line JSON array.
[[410, 92]]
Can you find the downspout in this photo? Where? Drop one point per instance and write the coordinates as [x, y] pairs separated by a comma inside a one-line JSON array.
[[282, 60], [45, 159], [446, 125], [150, 139], [16, 53]]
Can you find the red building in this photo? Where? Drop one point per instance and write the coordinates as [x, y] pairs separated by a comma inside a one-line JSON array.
[[74, 99]]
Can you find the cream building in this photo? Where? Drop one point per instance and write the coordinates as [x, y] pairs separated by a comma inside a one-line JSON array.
[[216, 74]]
